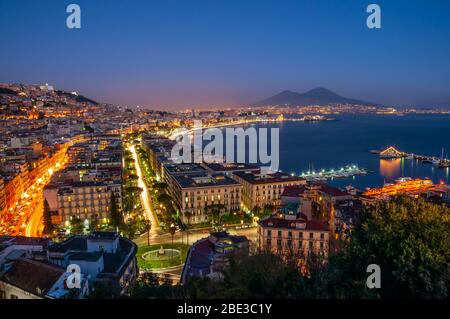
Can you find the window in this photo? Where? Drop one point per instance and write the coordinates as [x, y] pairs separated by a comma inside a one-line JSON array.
[[322, 236], [269, 233], [321, 246], [279, 233], [269, 242], [290, 234], [2, 294], [14, 297], [311, 235], [279, 243]]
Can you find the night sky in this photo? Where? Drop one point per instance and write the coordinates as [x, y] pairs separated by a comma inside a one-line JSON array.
[[197, 53]]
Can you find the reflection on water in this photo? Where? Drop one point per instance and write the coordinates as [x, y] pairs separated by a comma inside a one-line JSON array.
[[390, 168]]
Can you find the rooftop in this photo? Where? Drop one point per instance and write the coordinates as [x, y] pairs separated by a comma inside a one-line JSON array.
[[203, 253], [33, 276], [97, 235], [71, 244], [24, 241], [88, 256], [278, 177], [177, 169], [276, 221], [204, 180], [231, 167], [293, 191], [332, 191]]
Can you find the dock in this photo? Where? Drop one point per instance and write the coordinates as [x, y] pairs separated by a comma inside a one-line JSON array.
[[391, 153], [323, 175]]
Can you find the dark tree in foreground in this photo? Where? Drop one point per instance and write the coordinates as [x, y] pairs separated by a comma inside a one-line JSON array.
[[148, 286], [408, 238]]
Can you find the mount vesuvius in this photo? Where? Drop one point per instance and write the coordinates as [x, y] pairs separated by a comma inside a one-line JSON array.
[[318, 96]]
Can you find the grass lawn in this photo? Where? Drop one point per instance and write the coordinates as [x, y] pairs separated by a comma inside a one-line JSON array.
[[154, 264]]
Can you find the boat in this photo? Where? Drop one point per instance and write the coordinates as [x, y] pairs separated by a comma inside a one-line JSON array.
[[410, 156], [444, 164]]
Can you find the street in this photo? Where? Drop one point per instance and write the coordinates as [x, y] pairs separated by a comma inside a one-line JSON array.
[[25, 217], [194, 235], [145, 198]]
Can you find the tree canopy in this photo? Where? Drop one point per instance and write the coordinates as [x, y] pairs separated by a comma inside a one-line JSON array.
[[408, 238]]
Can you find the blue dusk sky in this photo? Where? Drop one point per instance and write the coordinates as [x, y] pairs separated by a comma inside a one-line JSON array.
[[198, 53]]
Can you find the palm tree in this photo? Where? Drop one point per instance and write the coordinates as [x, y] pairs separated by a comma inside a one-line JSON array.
[[256, 210], [188, 215], [216, 210]]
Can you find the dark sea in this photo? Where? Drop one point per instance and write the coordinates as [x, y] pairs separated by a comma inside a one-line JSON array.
[[348, 141]]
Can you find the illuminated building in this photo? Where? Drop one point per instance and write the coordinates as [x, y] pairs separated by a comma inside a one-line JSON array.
[[194, 193], [391, 152], [261, 190], [291, 234], [84, 200]]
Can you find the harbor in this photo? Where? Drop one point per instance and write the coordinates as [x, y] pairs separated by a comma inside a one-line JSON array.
[[324, 175]]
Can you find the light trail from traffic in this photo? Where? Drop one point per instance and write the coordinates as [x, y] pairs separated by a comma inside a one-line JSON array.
[[145, 198]]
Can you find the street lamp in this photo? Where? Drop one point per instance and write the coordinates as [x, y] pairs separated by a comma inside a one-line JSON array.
[[149, 227]]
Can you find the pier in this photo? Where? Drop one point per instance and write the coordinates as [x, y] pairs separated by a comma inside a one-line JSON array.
[[392, 152], [323, 175]]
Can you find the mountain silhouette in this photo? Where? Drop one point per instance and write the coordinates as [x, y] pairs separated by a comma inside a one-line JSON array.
[[317, 96]]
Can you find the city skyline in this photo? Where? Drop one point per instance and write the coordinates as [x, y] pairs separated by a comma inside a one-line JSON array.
[[175, 55]]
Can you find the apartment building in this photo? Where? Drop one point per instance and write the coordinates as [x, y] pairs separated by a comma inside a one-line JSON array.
[[84, 200], [197, 192], [293, 235], [80, 154], [261, 190]]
